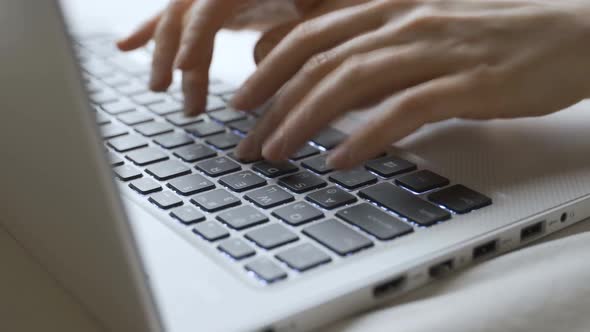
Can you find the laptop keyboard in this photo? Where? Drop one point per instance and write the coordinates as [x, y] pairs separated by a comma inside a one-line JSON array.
[[276, 220]]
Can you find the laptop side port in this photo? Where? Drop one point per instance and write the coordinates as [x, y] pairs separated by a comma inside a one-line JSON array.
[[389, 287], [441, 269], [485, 249], [532, 231]]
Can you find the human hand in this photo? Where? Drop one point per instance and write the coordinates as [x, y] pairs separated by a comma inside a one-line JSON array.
[[420, 62], [184, 34]]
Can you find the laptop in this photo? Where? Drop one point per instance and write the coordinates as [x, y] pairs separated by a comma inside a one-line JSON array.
[[149, 221]]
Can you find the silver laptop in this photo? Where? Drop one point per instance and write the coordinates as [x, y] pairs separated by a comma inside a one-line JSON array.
[[149, 221]]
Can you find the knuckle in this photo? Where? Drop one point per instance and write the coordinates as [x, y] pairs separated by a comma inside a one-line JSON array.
[[353, 68], [303, 33], [316, 65]]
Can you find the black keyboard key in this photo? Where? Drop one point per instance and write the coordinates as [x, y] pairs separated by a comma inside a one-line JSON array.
[[271, 236], [173, 140], [298, 213], [191, 184], [148, 98], [236, 248], [354, 178], [211, 231], [242, 217], [422, 181], [224, 141], [329, 138], [389, 166], [302, 182], [331, 198], [127, 172], [168, 169], [151, 129], [145, 186], [227, 115], [303, 257], [214, 103], [165, 108], [317, 165], [337, 237], [179, 119], [146, 156], [204, 129], [265, 269], [243, 126], [127, 143], [187, 215], [135, 118], [242, 181], [304, 152], [375, 222], [216, 200], [404, 203], [114, 160], [112, 130], [118, 107], [460, 199], [194, 152], [166, 200], [269, 197], [273, 170], [218, 166]]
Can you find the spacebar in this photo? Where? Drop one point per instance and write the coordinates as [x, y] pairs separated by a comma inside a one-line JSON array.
[[404, 203]]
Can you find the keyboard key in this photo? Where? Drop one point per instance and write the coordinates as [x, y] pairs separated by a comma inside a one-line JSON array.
[[306, 151], [127, 172], [224, 141], [102, 119], [194, 152], [298, 213], [389, 166], [166, 200], [375, 222], [187, 215], [204, 129], [165, 108], [154, 128], [227, 116], [127, 143], [301, 182], [168, 169], [211, 231], [119, 107], [317, 165], [148, 98], [460, 199], [179, 119], [233, 156], [191, 184], [266, 270], [103, 97], [114, 160], [218, 166], [146, 156], [269, 197], [145, 186], [404, 203], [242, 181], [273, 170], [242, 217], [271, 236], [173, 140], [422, 181], [216, 200], [214, 103], [135, 118], [116, 80], [220, 88], [329, 138], [112, 130], [337, 237], [303, 257], [354, 178], [243, 126], [133, 88], [236, 248], [331, 198]]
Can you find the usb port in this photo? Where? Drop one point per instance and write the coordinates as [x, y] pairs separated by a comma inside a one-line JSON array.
[[485, 249], [389, 287], [441, 269], [531, 231]]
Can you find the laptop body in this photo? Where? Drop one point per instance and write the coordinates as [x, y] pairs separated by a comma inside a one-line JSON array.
[[136, 268]]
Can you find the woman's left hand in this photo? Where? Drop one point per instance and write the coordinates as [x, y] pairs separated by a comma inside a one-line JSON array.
[[420, 62]]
